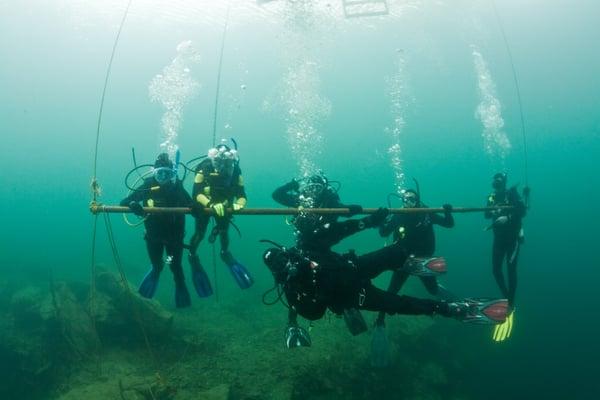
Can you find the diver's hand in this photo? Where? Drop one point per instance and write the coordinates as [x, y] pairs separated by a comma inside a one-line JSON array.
[[354, 209], [136, 208], [378, 216], [496, 212], [237, 207], [219, 209], [501, 220], [447, 208]]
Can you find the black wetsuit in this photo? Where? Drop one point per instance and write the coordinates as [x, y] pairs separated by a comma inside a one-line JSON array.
[[164, 232], [324, 279], [215, 188], [506, 238], [414, 233], [289, 195]]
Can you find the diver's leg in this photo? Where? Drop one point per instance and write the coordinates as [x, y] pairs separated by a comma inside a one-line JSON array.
[[150, 281], [431, 284], [396, 283], [388, 258], [433, 287], [175, 251], [155, 253], [201, 223], [239, 272], [498, 252], [513, 256], [223, 229], [376, 299]]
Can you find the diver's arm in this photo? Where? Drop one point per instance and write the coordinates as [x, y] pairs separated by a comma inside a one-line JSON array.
[[332, 233], [199, 198], [447, 220], [240, 194], [136, 195], [489, 214], [388, 226], [287, 195]]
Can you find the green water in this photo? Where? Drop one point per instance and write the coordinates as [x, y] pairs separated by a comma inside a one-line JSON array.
[[339, 74]]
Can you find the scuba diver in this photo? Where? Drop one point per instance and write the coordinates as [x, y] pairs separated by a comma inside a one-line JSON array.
[[164, 232], [315, 279], [414, 233], [508, 237], [314, 191], [218, 185]]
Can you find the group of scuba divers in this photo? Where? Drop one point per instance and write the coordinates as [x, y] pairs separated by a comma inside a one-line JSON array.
[[310, 277]]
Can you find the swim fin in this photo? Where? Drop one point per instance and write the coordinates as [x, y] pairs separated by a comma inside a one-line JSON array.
[[149, 283], [479, 311], [296, 336], [182, 296], [380, 347], [354, 321], [239, 272], [199, 277], [431, 266], [502, 331]]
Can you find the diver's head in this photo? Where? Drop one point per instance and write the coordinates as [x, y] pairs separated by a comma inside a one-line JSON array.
[[313, 191], [223, 159], [163, 170], [277, 261], [411, 199], [499, 182]]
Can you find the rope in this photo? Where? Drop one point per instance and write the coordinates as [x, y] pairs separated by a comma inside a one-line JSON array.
[[214, 265], [95, 185], [214, 130], [136, 311], [216, 109], [518, 90], [92, 303]]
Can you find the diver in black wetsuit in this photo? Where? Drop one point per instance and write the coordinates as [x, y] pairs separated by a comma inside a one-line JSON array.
[[508, 233], [314, 191], [164, 232], [315, 278], [414, 233]]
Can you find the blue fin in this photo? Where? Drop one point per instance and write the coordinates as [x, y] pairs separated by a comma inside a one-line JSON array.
[[241, 275], [182, 296], [380, 348], [149, 284], [239, 272], [199, 277]]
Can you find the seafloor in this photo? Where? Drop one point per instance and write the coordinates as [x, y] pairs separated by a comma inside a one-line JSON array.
[[231, 349]]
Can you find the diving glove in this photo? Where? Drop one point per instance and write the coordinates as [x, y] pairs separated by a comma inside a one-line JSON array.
[[296, 336], [219, 209], [136, 208]]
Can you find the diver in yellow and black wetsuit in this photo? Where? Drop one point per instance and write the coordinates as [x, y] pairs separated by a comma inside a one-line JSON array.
[[219, 185], [164, 232]]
